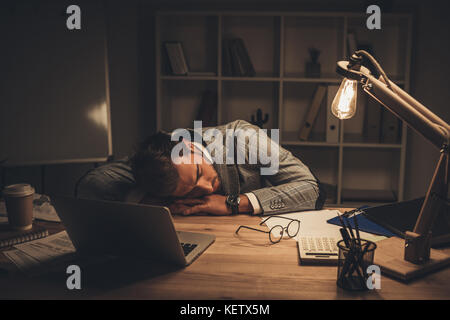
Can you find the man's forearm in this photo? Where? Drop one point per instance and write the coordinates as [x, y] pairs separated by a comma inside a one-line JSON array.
[[244, 205]]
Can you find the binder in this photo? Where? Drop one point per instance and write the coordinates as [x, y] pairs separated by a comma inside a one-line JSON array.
[[373, 121], [312, 112], [390, 127], [364, 224], [332, 133]]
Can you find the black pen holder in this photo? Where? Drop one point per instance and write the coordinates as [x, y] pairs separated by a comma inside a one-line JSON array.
[[352, 264]]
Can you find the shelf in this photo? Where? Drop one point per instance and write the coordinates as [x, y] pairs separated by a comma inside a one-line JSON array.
[[187, 78], [301, 77], [256, 78], [371, 145], [290, 138], [369, 153], [312, 80], [308, 143]]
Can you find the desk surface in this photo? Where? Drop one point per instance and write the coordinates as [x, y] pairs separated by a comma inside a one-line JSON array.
[[244, 266]]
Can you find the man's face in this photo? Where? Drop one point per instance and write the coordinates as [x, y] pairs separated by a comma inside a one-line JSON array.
[[196, 178]]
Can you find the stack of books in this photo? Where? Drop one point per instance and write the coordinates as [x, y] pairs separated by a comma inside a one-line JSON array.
[[236, 61]]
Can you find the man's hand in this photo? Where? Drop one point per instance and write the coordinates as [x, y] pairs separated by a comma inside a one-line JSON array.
[[211, 204]]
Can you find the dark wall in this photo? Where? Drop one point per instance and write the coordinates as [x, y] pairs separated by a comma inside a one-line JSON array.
[[429, 85], [128, 119]]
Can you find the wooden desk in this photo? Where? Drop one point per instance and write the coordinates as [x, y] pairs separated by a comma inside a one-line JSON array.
[[234, 267]]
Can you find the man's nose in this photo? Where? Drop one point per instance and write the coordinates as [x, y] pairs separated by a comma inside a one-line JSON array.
[[206, 187]]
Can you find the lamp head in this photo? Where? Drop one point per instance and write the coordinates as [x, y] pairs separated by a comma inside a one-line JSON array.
[[344, 103]]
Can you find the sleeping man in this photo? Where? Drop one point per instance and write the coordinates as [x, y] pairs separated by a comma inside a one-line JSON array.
[[229, 169]]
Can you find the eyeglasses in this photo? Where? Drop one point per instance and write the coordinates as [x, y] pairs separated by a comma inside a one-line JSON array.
[[276, 232]]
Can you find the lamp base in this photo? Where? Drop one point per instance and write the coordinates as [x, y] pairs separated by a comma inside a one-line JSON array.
[[389, 255]]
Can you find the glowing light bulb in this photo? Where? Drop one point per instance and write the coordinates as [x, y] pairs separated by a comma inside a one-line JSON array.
[[344, 103]]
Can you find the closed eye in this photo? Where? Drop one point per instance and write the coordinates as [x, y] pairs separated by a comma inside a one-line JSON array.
[[198, 174]]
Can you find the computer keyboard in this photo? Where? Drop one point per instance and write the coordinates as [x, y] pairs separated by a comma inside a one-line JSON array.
[[188, 247]]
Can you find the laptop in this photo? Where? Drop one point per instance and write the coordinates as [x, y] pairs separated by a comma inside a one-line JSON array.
[[118, 228]]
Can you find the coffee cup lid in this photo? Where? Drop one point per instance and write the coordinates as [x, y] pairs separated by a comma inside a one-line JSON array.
[[18, 190]]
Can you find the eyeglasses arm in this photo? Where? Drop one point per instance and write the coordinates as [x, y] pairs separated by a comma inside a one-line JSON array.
[[264, 221], [250, 229]]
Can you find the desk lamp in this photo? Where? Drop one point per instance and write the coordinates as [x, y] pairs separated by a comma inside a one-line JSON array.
[[418, 257]]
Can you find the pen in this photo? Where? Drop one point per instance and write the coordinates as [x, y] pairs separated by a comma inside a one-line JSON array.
[[344, 233], [345, 237], [351, 231], [355, 220]]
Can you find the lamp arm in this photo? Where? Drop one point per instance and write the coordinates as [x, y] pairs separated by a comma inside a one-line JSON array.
[[418, 106], [426, 123], [434, 129], [417, 116]]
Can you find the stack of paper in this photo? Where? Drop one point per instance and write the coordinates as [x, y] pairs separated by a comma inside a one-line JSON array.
[[29, 256], [314, 223]]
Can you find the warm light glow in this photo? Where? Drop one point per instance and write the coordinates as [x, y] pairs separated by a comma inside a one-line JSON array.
[[344, 103], [99, 115]]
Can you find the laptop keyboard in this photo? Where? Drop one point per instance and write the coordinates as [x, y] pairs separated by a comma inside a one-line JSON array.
[[318, 245], [188, 247]]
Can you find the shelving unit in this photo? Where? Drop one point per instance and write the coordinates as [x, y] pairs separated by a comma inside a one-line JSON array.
[[277, 43]]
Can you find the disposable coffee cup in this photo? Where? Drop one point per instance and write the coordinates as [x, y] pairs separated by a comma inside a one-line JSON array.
[[19, 205]]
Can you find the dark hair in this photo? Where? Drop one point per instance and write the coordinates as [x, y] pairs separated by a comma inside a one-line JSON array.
[[152, 165]]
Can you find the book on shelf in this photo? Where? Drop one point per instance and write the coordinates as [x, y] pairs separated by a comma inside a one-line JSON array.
[[312, 112], [175, 57], [373, 121], [227, 68], [10, 237], [236, 67], [244, 58], [332, 131], [236, 60]]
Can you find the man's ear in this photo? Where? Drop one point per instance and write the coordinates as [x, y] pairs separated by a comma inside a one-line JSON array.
[[189, 144]]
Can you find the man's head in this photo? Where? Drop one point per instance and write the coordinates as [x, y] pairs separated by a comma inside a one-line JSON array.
[[156, 173]]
